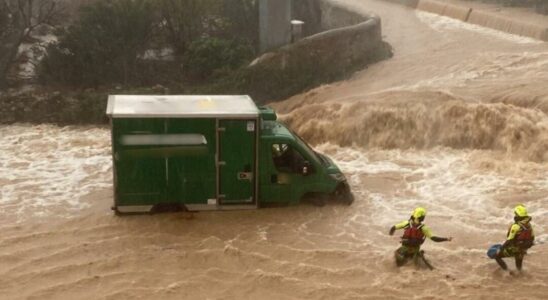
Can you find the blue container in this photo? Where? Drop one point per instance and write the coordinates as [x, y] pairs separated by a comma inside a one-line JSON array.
[[492, 252]]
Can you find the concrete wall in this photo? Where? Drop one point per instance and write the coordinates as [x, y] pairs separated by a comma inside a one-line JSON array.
[[457, 12], [308, 11], [409, 3], [352, 40], [347, 32], [486, 19], [275, 23], [445, 9], [519, 27], [337, 16]]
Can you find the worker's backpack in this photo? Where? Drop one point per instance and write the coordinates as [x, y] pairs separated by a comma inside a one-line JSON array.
[[524, 238], [413, 236]]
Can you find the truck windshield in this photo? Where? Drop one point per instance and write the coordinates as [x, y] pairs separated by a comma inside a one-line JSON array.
[[313, 154]]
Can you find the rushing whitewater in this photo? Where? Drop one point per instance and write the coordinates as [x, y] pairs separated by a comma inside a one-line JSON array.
[[455, 122]]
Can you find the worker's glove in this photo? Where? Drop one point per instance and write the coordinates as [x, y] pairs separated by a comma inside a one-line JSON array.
[[392, 230]]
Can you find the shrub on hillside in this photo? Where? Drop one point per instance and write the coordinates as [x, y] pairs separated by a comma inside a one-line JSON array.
[[111, 42], [206, 56], [103, 47]]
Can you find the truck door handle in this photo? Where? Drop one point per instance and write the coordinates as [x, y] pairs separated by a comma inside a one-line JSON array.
[[274, 178]]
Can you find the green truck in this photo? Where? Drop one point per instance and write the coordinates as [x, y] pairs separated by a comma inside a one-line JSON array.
[[212, 153]]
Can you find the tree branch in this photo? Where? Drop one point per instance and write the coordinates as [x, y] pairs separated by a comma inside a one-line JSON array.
[[21, 8], [8, 7]]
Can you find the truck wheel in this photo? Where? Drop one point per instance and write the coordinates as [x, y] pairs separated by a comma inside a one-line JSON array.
[[316, 199], [319, 200], [344, 195], [348, 199]]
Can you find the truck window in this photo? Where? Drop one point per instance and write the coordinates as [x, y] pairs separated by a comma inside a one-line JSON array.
[[306, 147], [286, 159]]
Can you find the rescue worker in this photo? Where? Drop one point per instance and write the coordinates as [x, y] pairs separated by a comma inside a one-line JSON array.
[[519, 238], [413, 236]]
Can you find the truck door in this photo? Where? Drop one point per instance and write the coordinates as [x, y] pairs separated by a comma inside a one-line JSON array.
[[285, 174], [237, 152]]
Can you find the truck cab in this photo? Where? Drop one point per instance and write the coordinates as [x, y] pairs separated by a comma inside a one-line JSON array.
[[291, 171]]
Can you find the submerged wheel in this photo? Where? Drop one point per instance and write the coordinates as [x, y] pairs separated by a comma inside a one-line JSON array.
[[343, 194], [319, 200], [348, 199], [316, 199]]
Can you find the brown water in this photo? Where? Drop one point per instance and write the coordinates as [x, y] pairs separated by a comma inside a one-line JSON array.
[[455, 122]]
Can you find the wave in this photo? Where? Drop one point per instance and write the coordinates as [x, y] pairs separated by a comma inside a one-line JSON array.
[[423, 120]]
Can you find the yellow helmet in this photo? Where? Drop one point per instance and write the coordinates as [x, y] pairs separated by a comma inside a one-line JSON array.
[[520, 210], [419, 212]]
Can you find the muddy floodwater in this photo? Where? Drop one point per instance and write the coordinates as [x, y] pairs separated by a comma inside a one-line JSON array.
[[456, 122]]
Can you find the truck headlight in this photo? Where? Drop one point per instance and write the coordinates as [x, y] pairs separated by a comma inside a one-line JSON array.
[[338, 176]]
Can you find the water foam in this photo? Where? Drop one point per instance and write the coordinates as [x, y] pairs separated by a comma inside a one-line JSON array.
[[46, 170], [456, 186], [391, 123]]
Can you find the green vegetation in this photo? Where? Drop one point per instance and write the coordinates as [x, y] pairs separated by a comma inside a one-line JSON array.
[[102, 47], [18, 20], [119, 42], [174, 47], [211, 43], [207, 56]]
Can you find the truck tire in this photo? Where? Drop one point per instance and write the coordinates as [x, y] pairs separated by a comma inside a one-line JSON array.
[[319, 200], [343, 194], [348, 199], [316, 199]]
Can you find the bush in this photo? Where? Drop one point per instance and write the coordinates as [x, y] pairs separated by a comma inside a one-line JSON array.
[[208, 56], [103, 47], [106, 45]]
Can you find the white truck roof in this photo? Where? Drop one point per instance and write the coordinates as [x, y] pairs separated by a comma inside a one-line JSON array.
[[162, 106]]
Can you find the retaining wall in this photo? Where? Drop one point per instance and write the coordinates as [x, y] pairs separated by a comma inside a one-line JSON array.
[[274, 23], [351, 41], [409, 3], [335, 16], [502, 23], [483, 18], [445, 9]]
